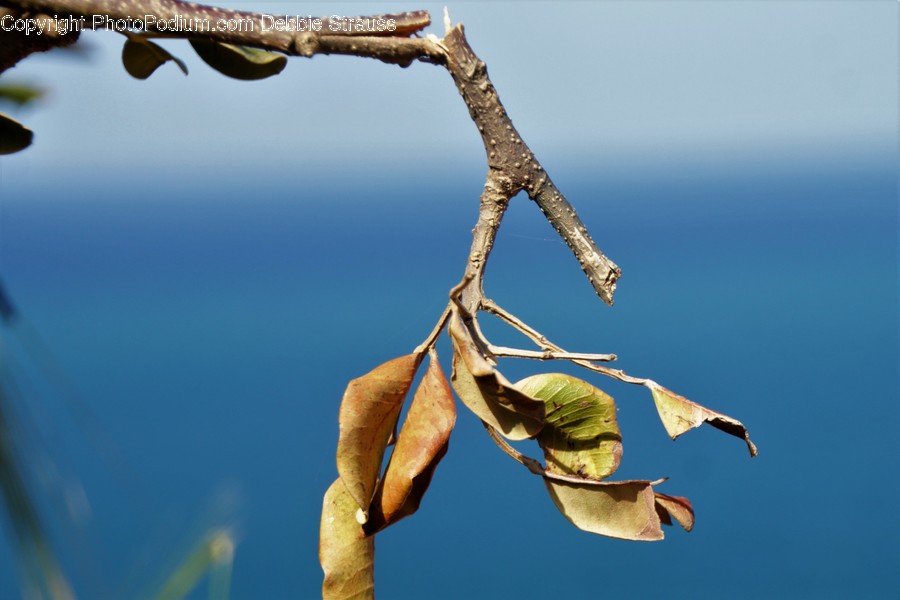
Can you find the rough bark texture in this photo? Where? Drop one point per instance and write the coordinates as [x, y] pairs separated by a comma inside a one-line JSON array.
[[514, 167]]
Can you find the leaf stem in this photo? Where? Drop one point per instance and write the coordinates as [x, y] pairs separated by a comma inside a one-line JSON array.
[[429, 342], [529, 463]]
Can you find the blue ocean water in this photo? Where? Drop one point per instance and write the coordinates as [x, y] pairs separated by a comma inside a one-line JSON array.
[[209, 323]]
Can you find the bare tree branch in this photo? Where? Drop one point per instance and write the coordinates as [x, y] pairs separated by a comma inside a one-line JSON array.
[[509, 156], [253, 29]]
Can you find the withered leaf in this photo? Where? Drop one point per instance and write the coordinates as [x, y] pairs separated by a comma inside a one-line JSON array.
[[368, 415], [141, 57], [13, 135], [422, 443], [619, 509], [677, 507], [580, 435], [239, 62], [487, 393], [346, 554], [679, 415]]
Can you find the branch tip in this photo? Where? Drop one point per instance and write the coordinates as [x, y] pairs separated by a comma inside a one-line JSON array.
[[447, 24]]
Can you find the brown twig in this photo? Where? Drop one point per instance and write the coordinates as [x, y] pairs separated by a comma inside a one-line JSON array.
[[385, 37], [546, 345], [512, 163], [503, 351], [17, 44], [428, 344], [530, 464]]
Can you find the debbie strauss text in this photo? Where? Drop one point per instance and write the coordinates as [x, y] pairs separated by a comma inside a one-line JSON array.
[[334, 23]]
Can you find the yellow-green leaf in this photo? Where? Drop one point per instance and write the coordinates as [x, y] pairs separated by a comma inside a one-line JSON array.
[[619, 509], [346, 554], [239, 62], [212, 556], [580, 435], [422, 443], [487, 393], [141, 57], [369, 412], [677, 507], [678, 415], [13, 135], [20, 93]]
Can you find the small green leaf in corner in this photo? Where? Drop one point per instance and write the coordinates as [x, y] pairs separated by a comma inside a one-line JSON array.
[[239, 62], [141, 57], [20, 93], [13, 135]]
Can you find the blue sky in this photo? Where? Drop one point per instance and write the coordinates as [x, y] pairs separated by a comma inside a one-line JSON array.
[[614, 82]]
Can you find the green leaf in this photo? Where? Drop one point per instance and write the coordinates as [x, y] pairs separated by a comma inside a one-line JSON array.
[[13, 135], [346, 554], [679, 415], [142, 57], [619, 509], [239, 62], [369, 412], [20, 94], [215, 550], [580, 435], [422, 443], [487, 393]]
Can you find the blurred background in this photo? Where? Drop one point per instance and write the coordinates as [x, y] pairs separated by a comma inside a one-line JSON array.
[[201, 264]]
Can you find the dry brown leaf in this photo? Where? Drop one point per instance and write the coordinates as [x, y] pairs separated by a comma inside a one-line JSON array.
[[679, 415], [422, 443], [619, 509], [368, 415], [488, 394], [677, 507], [346, 554]]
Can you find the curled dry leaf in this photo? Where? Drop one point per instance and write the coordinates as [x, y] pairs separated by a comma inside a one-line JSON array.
[[619, 509], [580, 435], [679, 415], [487, 393], [239, 62], [346, 554], [13, 135], [420, 447], [141, 57], [675, 507], [369, 412]]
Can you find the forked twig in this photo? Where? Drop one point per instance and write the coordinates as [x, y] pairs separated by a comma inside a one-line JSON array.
[[545, 344]]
